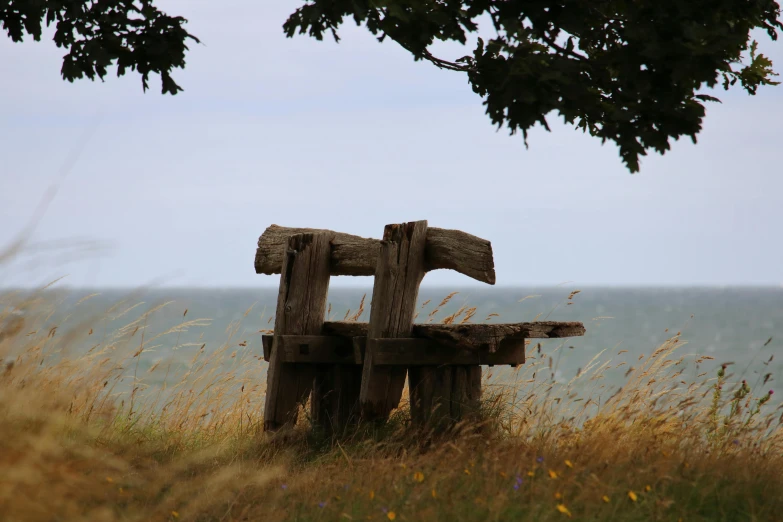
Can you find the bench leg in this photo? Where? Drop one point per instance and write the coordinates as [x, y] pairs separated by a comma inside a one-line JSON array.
[[301, 306], [335, 403], [443, 396]]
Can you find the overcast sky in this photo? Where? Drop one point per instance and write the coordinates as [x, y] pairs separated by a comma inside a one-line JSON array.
[[352, 136]]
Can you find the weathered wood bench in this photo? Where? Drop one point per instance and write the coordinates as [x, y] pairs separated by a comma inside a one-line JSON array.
[[357, 370]]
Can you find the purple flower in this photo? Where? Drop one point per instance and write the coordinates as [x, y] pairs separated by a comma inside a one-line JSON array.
[[771, 392], [385, 510], [540, 460], [516, 486], [322, 504], [284, 486], [736, 442], [520, 479], [347, 487]]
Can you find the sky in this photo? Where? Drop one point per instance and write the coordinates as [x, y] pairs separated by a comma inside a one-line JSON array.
[[174, 191]]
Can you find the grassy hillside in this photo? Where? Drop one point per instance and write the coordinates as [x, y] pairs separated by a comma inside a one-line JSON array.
[[82, 437]]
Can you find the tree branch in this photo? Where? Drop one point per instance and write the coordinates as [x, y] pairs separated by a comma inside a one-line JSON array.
[[561, 50], [440, 63]]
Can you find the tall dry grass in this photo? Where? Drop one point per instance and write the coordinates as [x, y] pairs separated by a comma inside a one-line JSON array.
[[84, 437]]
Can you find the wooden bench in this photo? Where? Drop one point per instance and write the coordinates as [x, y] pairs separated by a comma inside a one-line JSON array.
[[354, 370]]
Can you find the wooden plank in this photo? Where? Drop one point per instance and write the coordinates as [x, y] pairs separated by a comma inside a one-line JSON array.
[[398, 274], [426, 352], [466, 392], [335, 403], [316, 349], [358, 256], [470, 336], [301, 305], [460, 251], [392, 352], [359, 344]]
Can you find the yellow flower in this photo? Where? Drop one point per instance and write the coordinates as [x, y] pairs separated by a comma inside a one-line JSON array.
[[632, 496], [531, 473], [372, 494], [569, 463], [605, 498], [418, 476], [552, 474], [467, 471], [391, 515], [175, 514], [503, 474], [434, 493], [648, 488], [564, 510], [558, 496], [109, 480]]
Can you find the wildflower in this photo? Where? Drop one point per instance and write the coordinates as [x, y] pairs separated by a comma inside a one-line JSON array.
[[540, 460], [175, 514], [284, 486], [467, 471], [552, 474], [322, 505], [632, 496], [109, 480], [648, 488], [391, 515], [503, 474], [347, 487], [564, 510], [569, 463], [418, 476], [372, 494], [434, 493], [605, 498], [531, 473], [558, 495]]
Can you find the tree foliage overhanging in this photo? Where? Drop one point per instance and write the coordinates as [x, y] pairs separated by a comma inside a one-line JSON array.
[[130, 34], [629, 71]]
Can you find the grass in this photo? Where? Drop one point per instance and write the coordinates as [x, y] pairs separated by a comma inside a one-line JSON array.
[[83, 437]]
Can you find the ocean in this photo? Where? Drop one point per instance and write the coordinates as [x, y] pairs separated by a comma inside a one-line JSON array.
[[743, 326]]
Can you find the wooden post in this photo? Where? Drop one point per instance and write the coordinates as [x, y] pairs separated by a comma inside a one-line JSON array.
[[301, 306], [444, 395], [335, 399], [399, 271]]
